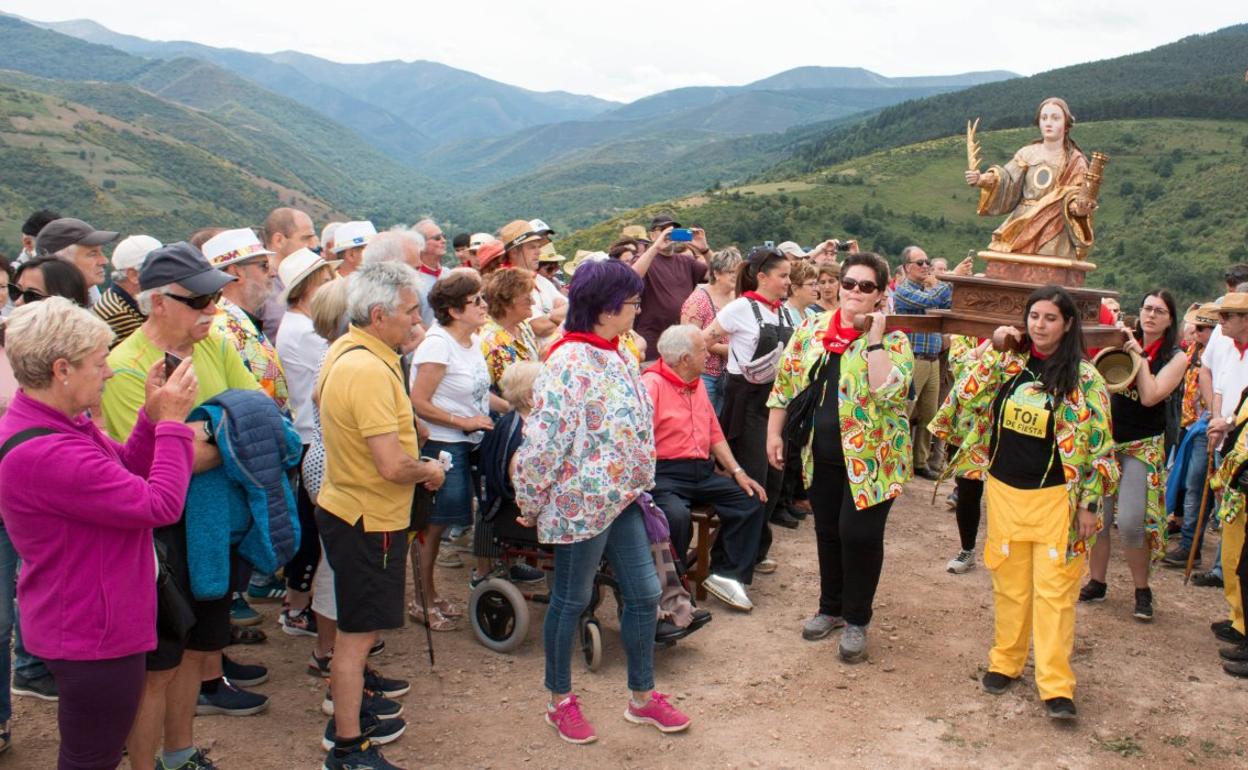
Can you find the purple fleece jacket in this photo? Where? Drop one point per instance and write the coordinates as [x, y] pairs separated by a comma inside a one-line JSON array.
[[80, 509]]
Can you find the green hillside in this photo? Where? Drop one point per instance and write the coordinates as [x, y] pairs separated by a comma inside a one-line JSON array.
[[122, 174], [1172, 214]]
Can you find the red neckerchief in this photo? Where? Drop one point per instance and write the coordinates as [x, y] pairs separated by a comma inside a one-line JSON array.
[[1151, 351], [1240, 348], [838, 337], [666, 372], [759, 298], [589, 338], [1037, 354], [430, 271]]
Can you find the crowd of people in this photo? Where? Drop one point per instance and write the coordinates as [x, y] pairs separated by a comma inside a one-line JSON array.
[[277, 413]]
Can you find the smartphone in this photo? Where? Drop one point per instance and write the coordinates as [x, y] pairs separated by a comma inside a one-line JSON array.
[[171, 363], [842, 245], [681, 234]]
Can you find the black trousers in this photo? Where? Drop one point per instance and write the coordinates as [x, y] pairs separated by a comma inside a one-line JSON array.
[[967, 511], [850, 544], [302, 566], [744, 420], [681, 484]]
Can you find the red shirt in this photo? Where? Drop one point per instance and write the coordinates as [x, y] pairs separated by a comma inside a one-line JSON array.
[[685, 425]]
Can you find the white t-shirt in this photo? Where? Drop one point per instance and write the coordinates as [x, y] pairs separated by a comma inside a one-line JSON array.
[[301, 350], [738, 320], [1229, 369], [465, 388]]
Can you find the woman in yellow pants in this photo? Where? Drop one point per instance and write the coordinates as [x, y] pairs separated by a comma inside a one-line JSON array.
[[1039, 436]]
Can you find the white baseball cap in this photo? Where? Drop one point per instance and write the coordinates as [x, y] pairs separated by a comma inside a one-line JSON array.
[[353, 234], [131, 252], [230, 246], [478, 240]]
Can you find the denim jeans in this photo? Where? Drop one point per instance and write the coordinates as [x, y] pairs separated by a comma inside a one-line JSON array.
[[628, 551], [715, 389], [8, 592], [452, 505], [1194, 483]]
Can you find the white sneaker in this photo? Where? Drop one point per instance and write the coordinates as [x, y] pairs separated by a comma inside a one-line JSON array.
[[728, 591], [962, 563]]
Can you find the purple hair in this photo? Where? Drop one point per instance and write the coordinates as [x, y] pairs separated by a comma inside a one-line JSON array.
[[597, 288]]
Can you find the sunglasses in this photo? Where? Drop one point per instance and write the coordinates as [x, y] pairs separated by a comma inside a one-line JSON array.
[[866, 287], [197, 303], [26, 295], [921, 262]]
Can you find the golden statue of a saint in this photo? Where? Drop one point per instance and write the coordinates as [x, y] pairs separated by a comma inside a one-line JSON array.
[[1040, 190]]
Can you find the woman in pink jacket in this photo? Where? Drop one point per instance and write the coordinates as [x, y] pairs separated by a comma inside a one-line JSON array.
[[79, 509]]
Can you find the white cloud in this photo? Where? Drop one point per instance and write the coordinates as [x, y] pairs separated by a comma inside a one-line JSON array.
[[624, 51]]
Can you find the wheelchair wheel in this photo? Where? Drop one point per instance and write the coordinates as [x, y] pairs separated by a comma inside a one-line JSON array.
[[591, 643], [500, 616]]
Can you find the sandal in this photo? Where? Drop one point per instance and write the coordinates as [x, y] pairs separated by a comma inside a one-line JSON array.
[[436, 620], [246, 635], [449, 608]]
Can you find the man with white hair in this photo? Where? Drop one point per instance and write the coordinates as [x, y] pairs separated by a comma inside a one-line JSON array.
[[117, 306], [179, 292], [398, 244], [372, 464], [688, 442]]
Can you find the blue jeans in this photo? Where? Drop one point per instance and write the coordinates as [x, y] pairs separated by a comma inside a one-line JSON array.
[[1194, 483], [715, 389], [452, 505], [628, 551], [8, 591]]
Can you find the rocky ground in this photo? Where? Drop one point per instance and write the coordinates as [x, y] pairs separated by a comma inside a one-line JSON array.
[[760, 696]]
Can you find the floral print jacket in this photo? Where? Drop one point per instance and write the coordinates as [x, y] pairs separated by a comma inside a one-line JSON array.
[[1233, 502], [258, 352], [588, 448], [1084, 442], [875, 430], [502, 349]]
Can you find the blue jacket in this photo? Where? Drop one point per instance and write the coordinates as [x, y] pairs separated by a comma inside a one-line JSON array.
[[249, 495], [1177, 479]]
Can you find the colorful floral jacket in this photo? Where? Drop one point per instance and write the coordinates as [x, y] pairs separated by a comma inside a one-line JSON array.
[[1084, 442], [1152, 452], [258, 352], [588, 448], [875, 429], [1233, 501]]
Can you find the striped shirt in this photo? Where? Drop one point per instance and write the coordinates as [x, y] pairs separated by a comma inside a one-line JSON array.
[[119, 310]]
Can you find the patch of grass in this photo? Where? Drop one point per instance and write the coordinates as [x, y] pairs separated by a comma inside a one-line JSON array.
[[1177, 741], [1126, 746]]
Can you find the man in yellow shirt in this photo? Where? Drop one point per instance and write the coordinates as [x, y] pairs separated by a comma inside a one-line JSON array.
[[372, 465]]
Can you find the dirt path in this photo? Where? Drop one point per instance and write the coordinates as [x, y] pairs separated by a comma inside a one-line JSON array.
[[760, 696]]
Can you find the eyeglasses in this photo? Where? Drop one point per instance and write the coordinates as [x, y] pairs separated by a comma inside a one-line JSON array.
[[866, 287], [1152, 310], [921, 262], [26, 295], [809, 285], [478, 299], [636, 303], [197, 303]]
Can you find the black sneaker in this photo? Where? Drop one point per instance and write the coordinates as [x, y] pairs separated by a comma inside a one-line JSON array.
[[197, 761], [243, 674], [379, 731], [41, 687], [1143, 611], [390, 688], [996, 683], [374, 704], [1060, 708], [522, 572], [797, 513], [1236, 653], [1236, 668], [1094, 591], [782, 518], [1207, 580], [228, 700], [363, 757], [1225, 632]]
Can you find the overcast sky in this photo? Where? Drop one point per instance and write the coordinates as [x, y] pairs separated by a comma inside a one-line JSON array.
[[625, 50]]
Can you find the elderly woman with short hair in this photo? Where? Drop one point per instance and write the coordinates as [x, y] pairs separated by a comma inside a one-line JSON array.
[[88, 580], [588, 454], [507, 336], [451, 394]]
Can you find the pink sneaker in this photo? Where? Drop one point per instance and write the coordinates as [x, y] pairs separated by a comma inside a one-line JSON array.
[[568, 721], [657, 712]]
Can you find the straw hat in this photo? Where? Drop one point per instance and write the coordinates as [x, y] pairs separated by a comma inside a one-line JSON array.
[[298, 267], [1204, 315]]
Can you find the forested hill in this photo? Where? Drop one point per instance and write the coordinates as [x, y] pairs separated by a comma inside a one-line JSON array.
[[1198, 76]]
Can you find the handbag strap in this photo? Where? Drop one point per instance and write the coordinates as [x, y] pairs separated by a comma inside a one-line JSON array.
[[21, 437]]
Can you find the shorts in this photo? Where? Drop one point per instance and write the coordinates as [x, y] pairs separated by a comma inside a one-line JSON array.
[[452, 504], [211, 632], [370, 569]]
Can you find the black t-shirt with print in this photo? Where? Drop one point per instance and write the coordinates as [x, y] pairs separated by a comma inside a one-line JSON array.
[[1023, 448]]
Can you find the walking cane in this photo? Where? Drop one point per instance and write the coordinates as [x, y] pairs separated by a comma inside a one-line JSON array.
[[1200, 520], [414, 554]]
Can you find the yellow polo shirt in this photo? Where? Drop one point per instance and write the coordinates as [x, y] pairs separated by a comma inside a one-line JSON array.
[[362, 395]]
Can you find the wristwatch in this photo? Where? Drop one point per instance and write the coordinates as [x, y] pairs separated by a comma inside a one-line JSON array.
[[209, 436], [875, 346]]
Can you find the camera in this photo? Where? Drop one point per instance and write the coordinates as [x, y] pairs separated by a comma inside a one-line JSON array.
[[842, 245]]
